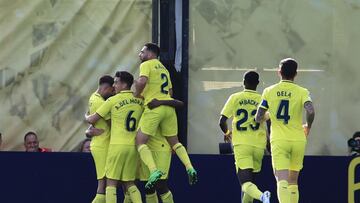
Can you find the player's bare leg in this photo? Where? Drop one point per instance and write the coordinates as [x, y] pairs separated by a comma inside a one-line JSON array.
[[282, 179], [151, 195], [141, 138], [147, 158], [101, 186], [246, 179], [127, 198], [133, 191], [293, 186], [164, 192], [184, 157], [100, 192], [160, 188], [111, 196]]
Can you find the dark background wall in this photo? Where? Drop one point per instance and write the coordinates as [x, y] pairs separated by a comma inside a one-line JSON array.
[[70, 177]]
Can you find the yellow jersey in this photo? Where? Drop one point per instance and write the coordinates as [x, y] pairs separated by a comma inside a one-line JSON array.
[[285, 103], [95, 101], [242, 107], [158, 83], [125, 111]]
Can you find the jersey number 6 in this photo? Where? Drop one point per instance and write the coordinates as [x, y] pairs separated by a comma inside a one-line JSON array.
[[130, 122]]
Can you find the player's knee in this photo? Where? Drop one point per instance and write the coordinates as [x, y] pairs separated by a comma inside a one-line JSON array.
[[161, 187], [111, 182], [141, 138], [293, 177], [282, 175], [149, 191], [101, 186], [173, 140], [245, 175], [127, 184]]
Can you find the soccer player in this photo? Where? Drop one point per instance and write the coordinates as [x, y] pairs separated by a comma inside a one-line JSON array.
[[161, 151], [122, 159], [248, 137], [285, 102], [154, 83], [100, 143]]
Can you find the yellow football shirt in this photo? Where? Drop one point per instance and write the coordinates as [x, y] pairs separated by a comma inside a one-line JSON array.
[[125, 112], [158, 83], [95, 101], [285, 103], [242, 107]]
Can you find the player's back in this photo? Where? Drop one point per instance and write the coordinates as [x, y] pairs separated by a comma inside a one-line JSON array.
[[285, 101], [95, 101], [242, 107], [126, 111], [159, 81]]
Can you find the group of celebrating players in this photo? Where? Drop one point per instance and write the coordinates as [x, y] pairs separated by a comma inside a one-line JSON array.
[[130, 125], [134, 133]]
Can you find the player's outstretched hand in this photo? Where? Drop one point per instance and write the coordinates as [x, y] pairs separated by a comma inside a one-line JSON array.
[[192, 176], [154, 103], [153, 179]]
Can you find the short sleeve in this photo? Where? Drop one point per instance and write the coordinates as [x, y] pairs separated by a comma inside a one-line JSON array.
[[105, 109], [228, 107], [145, 69], [306, 96], [264, 101]]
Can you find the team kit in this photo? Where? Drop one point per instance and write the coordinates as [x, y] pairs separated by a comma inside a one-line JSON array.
[[135, 132]]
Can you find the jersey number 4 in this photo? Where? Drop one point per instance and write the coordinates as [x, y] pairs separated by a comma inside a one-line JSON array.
[[283, 111], [244, 115], [130, 122]]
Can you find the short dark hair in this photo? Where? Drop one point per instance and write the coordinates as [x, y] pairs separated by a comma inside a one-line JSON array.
[[153, 48], [288, 68], [251, 77], [356, 134], [29, 133], [125, 77], [106, 79]]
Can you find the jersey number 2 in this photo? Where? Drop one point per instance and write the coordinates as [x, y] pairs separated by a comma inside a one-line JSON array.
[[165, 83], [130, 122], [244, 117]]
